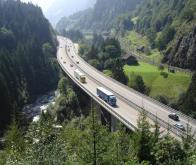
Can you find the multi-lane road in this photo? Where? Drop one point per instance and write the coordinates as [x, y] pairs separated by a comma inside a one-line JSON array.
[[129, 102]]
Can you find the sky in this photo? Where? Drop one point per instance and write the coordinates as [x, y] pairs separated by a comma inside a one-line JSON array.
[[44, 4]]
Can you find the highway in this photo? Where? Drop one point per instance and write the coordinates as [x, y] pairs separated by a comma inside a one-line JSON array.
[[129, 102]]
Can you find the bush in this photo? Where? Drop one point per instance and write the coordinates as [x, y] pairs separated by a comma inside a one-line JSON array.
[[108, 63], [166, 36], [161, 67], [164, 74], [139, 85], [187, 14], [162, 99], [95, 63], [132, 61]]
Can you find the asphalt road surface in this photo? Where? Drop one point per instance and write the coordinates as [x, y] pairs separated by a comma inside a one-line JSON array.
[[129, 102]]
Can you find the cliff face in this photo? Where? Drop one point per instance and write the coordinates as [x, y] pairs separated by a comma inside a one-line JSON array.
[[184, 53], [170, 26]]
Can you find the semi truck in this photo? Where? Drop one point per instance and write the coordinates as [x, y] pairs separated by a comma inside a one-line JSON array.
[[80, 76], [107, 96]]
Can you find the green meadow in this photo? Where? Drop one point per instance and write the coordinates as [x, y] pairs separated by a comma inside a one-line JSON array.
[[170, 86]]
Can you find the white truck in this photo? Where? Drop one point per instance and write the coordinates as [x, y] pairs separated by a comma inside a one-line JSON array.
[[80, 76], [107, 96]]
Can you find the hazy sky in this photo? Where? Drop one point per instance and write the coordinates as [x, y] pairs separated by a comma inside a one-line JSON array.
[[44, 4]]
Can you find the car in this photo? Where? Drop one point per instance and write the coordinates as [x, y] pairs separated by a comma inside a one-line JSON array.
[[71, 65], [179, 126], [174, 116], [64, 62], [77, 62], [72, 56]]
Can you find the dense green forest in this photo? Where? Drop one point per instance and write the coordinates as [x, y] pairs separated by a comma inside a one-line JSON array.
[[170, 26], [79, 137], [73, 129], [101, 18], [27, 51]]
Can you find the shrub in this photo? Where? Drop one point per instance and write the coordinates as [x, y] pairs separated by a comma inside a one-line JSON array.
[[164, 74], [162, 99], [132, 61], [161, 67]]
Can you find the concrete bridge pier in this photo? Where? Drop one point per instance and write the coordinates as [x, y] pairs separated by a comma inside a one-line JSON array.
[[114, 122], [105, 117], [108, 119]]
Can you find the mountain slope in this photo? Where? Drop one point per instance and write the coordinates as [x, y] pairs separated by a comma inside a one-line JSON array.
[[27, 48], [101, 17], [61, 8], [170, 26]]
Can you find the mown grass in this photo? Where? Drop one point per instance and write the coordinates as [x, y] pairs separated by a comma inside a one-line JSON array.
[[172, 86]]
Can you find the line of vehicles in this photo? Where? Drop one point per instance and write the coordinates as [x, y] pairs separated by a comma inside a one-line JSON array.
[[111, 99], [103, 93]]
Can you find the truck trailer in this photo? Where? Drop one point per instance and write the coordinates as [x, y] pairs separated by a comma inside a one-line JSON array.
[[80, 76], [107, 96]]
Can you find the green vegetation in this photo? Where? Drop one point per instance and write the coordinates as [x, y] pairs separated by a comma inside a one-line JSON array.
[[74, 35], [172, 86], [84, 140], [169, 26], [138, 84], [108, 73], [105, 54], [73, 134], [100, 18], [187, 102], [27, 57], [133, 40]]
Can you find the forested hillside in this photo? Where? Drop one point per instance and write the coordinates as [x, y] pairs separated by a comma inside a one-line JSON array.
[[78, 136], [101, 17], [61, 8], [170, 26], [27, 48]]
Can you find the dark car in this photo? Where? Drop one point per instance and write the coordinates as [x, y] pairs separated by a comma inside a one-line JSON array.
[[77, 62], [180, 126], [174, 116]]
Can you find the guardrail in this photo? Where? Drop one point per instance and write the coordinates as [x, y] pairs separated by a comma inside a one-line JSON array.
[[171, 110], [100, 101], [153, 117], [148, 60]]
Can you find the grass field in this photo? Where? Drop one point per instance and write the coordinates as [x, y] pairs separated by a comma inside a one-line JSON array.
[[172, 86], [134, 40]]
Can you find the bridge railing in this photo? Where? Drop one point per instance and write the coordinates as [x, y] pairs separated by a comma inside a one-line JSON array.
[[153, 117], [104, 104], [171, 110]]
